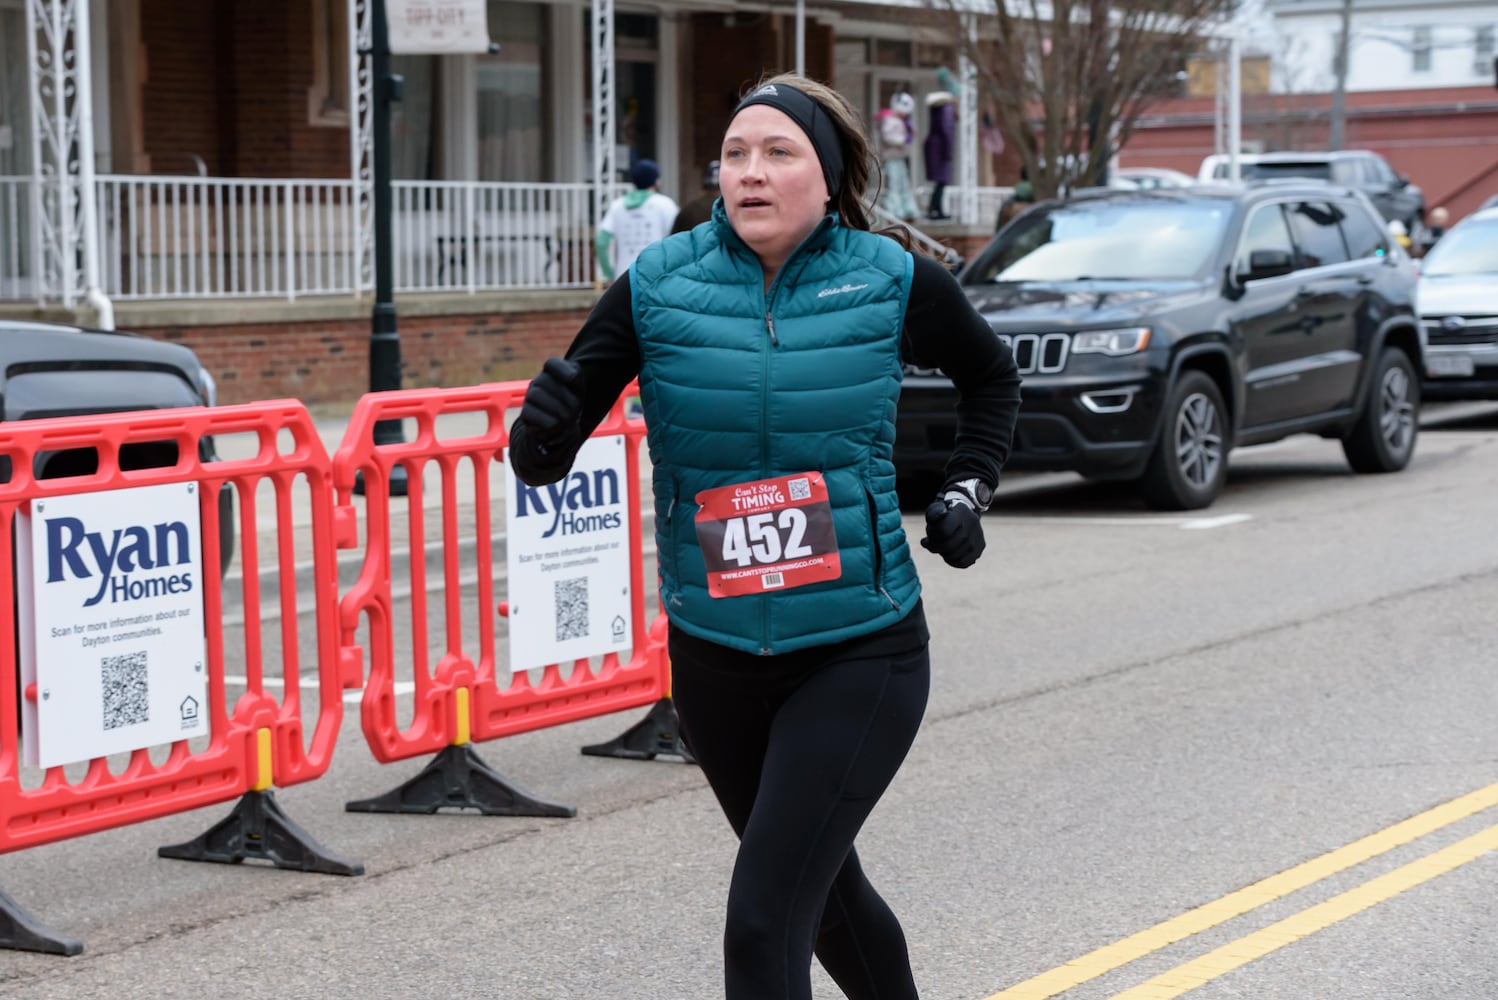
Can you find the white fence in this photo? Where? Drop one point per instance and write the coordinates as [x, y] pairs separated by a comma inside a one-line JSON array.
[[17, 253], [208, 237]]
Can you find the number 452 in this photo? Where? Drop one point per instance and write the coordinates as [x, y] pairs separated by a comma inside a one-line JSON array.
[[756, 538]]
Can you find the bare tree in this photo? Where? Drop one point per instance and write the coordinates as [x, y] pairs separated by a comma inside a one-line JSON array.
[[1068, 78]]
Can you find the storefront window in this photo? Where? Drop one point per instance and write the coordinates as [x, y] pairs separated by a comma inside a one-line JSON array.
[[412, 152], [510, 142]]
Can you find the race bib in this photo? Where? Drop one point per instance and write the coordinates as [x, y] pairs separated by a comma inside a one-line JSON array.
[[771, 534]]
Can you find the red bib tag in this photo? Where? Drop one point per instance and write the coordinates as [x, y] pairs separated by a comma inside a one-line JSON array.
[[771, 534]]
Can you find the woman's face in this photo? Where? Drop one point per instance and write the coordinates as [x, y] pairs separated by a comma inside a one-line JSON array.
[[772, 183]]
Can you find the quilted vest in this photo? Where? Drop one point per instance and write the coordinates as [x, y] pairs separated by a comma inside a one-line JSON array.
[[740, 384]]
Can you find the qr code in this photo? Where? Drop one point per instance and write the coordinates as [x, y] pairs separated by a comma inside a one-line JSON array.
[[127, 700], [572, 608], [800, 489]]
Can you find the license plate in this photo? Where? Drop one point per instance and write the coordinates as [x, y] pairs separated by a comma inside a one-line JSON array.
[[1457, 365]]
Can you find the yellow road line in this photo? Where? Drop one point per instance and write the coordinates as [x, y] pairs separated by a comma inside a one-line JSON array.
[[1234, 904], [1189, 975]]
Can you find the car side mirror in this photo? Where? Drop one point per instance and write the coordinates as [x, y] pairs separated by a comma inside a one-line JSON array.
[[1268, 264]]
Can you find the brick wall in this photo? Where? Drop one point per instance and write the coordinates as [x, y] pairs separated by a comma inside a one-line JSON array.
[[229, 82], [327, 362]]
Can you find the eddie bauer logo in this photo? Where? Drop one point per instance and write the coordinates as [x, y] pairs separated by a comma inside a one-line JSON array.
[[839, 291]]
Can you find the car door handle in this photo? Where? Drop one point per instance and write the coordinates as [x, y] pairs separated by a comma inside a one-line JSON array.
[[1305, 294]]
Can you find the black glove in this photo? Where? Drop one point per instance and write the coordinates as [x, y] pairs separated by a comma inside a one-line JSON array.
[[954, 532], [554, 404]]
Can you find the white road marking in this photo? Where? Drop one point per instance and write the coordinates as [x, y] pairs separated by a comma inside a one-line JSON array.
[[351, 697], [1183, 523]]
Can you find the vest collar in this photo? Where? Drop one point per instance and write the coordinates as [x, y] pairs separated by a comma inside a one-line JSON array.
[[819, 237]]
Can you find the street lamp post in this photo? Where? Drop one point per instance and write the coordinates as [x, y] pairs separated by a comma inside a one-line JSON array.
[[384, 332]]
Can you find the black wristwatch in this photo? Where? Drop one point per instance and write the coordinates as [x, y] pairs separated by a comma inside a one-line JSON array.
[[974, 492]]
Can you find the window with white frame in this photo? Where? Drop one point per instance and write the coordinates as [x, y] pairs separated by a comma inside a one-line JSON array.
[[509, 104], [1482, 50], [1420, 46]]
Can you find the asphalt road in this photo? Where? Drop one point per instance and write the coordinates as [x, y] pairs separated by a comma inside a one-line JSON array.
[[1248, 752]]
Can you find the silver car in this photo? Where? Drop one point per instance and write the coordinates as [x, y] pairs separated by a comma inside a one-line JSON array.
[[1458, 303]]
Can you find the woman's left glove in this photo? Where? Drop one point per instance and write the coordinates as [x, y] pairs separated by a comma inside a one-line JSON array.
[[954, 531]]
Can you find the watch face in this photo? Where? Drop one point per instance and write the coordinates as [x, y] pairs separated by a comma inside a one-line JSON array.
[[984, 494]]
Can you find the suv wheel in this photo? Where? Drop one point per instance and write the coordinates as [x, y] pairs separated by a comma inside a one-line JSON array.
[[1383, 439], [1189, 464]]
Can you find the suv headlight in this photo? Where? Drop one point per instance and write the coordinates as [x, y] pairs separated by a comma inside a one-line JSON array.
[[1114, 343]]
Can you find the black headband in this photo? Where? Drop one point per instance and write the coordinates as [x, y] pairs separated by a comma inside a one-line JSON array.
[[814, 121]]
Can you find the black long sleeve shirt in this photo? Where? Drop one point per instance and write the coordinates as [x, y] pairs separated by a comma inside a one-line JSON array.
[[942, 330]]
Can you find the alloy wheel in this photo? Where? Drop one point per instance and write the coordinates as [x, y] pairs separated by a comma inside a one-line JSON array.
[[1198, 441], [1396, 412]]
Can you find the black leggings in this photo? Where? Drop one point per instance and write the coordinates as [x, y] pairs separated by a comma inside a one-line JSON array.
[[797, 760]]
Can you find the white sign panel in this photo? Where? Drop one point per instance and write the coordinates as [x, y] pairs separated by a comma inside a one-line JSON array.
[[110, 600], [567, 550], [437, 26]]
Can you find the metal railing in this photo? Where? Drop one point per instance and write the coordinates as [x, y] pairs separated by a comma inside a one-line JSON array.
[[17, 251], [186, 237]]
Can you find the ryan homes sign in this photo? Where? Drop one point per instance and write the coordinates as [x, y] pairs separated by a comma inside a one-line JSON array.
[[567, 553], [110, 599]]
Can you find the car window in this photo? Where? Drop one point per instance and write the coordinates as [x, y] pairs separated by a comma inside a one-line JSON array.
[[1265, 230], [1318, 240], [1364, 235], [1269, 171], [1348, 172], [1125, 238], [1380, 172]]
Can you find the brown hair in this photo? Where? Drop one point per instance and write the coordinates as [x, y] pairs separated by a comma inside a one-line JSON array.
[[859, 164]]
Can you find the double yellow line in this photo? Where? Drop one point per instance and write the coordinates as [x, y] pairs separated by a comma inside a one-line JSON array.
[[1205, 968]]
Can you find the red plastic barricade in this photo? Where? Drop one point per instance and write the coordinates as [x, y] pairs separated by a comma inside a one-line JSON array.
[[252, 744], [463, 698]]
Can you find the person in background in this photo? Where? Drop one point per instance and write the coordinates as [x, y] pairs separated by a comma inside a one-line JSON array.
[[941, 140], [1401, 235], [1434, 228], [633, 221], [699, 209], [770, 346], [896, 136]]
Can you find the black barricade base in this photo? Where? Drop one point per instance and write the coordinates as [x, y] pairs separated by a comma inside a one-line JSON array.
[[659, 733], [259, 829], [457, 778], [20, 931]]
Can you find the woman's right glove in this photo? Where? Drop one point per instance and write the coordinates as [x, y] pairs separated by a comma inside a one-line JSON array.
[[954, 531], [553, 405]]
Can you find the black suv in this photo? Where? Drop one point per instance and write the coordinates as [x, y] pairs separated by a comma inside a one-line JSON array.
[[54, 370], [1156, 330]]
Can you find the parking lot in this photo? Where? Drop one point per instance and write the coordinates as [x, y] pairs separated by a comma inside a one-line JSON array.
[[1135, 717]]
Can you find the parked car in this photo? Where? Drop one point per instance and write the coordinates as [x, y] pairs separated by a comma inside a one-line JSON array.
[[1158, 330], [1149, 178], [53, 370], [1391, 193], [1458, 297]]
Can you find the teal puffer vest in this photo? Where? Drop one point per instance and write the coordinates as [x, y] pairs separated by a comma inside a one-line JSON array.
[[739, 384]]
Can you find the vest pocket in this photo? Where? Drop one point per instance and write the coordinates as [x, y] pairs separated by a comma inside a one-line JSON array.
[[669, 559], [877, 546]]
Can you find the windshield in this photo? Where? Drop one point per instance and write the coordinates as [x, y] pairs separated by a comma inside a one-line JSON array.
[[1114, 239], [1269, 171], [1471, 248]]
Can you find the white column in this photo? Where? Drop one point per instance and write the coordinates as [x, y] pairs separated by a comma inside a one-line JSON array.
[[602, 41], [1235, 104], [569, 101], [460, 119], [967, 127], [668, 110]]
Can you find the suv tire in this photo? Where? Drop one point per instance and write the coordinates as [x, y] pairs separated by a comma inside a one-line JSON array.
[[1383, 439], [1189, 464]]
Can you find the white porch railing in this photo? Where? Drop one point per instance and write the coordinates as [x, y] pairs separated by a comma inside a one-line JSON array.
[[17, 254], [211, 237]]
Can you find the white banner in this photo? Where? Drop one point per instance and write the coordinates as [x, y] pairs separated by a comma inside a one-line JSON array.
[[420, 27], [109, 593], [567, 552]]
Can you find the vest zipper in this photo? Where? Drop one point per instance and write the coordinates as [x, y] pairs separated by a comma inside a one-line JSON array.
[[770, 325]]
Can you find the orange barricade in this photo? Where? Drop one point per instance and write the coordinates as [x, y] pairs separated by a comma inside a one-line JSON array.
[[461, 698], [249, 746]]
